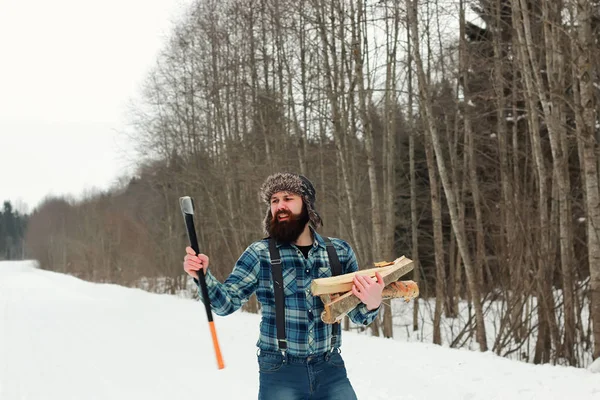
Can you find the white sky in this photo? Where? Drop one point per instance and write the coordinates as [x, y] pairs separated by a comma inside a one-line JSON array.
[[63, 338], [68, 70]]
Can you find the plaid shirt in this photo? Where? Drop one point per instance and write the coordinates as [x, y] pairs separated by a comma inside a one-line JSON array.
[[306, 333]]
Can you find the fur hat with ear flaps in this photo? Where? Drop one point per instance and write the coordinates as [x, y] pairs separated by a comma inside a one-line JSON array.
[[293, 183]]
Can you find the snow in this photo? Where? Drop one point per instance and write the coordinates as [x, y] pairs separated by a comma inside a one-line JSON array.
[[595, 366], [64, 338]]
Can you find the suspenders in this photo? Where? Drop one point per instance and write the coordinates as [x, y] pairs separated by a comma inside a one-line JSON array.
[[336, 269], [279, 297]]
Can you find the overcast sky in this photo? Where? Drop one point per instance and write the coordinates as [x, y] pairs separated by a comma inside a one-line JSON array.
[[68, 70]]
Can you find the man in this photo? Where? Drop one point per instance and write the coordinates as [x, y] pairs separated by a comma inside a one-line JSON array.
[[299, 356]]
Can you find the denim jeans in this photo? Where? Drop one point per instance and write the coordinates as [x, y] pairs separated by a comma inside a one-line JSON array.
[[294, 378]]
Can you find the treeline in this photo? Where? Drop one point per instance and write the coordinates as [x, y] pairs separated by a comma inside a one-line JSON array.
[[12, 233], [468, 145]]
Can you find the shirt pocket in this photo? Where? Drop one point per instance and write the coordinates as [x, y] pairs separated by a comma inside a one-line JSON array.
[[290, 286], [324, 271]]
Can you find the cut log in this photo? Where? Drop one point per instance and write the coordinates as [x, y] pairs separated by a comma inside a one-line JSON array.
[[406, 290], [343, 283], [336, 292], [336, 308]]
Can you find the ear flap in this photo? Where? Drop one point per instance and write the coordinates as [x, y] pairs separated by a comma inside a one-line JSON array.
[[266, 221]]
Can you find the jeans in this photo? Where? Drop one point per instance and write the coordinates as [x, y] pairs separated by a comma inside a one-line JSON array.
[[298, 378]]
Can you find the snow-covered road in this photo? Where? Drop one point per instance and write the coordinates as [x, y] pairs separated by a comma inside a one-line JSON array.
[[63, 338]]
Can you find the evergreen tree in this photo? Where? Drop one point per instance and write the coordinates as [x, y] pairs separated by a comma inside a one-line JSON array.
[[12, 232]]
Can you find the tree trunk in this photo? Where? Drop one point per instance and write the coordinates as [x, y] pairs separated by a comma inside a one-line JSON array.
[[543, 290], [389, 153], [585, 134], [414, 218], [558, 136]]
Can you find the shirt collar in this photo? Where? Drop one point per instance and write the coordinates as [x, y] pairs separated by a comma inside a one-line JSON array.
[[318, 242]]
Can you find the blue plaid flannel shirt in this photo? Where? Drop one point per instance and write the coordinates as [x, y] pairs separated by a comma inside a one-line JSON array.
[[306, 333]]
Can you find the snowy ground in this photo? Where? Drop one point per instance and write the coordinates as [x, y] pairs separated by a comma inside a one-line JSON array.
[[63, 338]]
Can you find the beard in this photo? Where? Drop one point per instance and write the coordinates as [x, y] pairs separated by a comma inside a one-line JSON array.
[[288, 231]]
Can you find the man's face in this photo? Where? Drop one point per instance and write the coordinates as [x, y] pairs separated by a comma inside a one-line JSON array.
[[284, 205], [289, 217]]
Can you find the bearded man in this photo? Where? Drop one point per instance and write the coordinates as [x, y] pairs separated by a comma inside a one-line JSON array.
[[299, 356]]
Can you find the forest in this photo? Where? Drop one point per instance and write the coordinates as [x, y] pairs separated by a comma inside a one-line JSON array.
[[462, 134]]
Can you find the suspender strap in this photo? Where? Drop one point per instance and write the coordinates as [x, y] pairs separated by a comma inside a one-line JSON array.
[[336, 269], [279, 296], [334, 261]]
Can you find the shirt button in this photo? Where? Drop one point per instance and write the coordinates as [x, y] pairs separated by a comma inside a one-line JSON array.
[[308, 271]]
